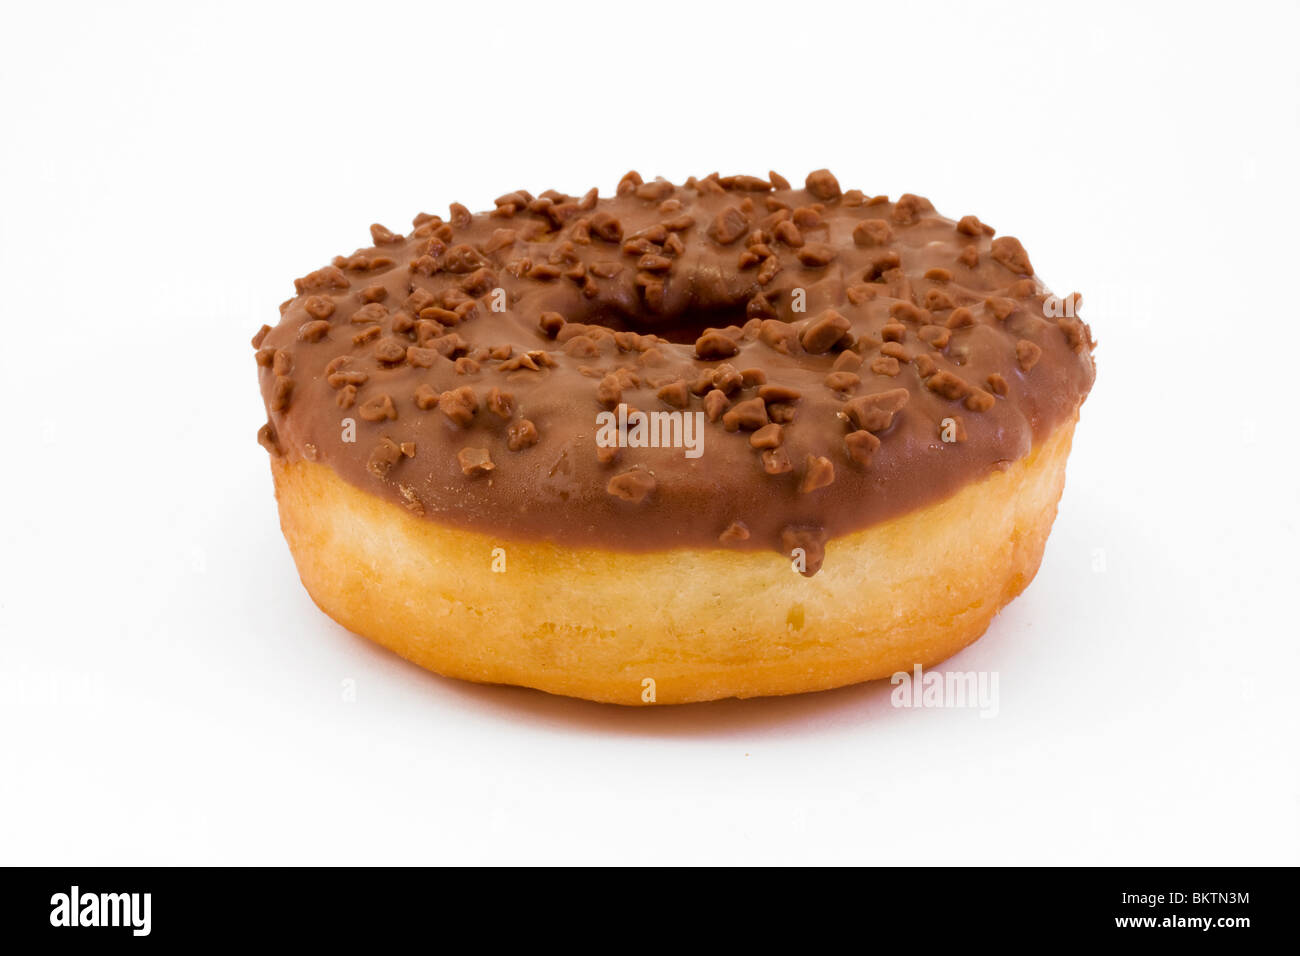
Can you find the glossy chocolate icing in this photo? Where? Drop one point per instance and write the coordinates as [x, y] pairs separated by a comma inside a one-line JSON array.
[[779, 313]]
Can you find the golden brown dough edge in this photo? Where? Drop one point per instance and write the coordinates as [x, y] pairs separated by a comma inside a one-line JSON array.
[[702, 624]]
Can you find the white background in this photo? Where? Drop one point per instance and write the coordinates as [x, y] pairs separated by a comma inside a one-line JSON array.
[[168, 692]]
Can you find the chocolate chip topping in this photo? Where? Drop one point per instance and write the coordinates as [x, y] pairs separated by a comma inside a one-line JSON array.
[[824, 335]]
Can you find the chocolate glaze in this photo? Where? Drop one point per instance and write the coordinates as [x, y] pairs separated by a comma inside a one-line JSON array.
[[664, 298]]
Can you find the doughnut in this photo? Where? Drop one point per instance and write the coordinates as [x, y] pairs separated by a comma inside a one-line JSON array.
[[728, 438]]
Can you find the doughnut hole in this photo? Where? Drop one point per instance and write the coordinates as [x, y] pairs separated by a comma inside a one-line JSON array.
[[681, 328]]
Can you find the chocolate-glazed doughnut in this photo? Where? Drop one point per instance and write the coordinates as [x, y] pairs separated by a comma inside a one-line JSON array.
[[842, 367]]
